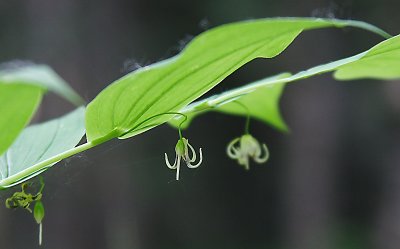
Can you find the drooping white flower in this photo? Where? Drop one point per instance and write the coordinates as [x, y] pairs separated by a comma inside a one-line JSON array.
[[182, 152], [246, 146]]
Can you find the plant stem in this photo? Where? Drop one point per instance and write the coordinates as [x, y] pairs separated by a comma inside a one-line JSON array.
[[247, 126], [234, 94]]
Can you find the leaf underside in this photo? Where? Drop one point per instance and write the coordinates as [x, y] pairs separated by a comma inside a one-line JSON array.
[[21, 90], [40, 142]]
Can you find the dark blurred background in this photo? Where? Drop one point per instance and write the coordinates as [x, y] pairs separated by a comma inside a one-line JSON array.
[[332, 182]]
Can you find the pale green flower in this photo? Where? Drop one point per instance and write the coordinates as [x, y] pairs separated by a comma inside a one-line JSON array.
[[182, 152], [246, 146]]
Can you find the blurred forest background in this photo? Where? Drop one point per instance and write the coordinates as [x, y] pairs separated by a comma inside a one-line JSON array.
[[332, 182]]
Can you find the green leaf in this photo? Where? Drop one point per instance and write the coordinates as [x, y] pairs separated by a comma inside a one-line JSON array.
[[18, 103], [42, 76], [126, 107], [380, 62], [133, 91], [262, 104], [21, 90], [38, 143]]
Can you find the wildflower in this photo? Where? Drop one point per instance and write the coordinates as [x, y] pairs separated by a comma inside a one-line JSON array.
[[182, 152], [246, 146], [23, 199]]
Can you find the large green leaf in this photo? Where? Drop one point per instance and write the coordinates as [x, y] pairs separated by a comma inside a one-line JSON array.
[[38, 143], [381, 62], [42, 76], [18, 103], [127, 106]]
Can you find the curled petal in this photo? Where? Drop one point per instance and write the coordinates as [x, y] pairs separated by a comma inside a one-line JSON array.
[[231, 150], [263, 159], [193, 153], [167, 162], [188, 163], [257, 151]]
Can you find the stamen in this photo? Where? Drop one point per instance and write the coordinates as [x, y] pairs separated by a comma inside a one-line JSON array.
[[178, 167], [244, 160], [40, 234]]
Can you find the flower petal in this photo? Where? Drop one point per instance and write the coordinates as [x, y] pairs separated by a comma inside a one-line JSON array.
[[188, 163], [231, 150], [263, 159], [167, 162], [193, 153]]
